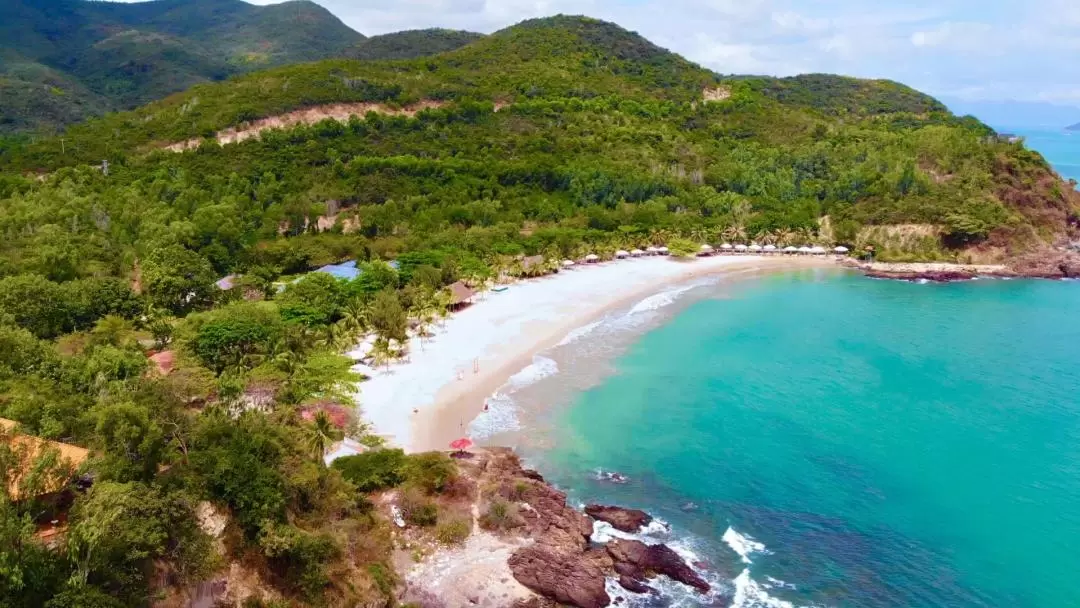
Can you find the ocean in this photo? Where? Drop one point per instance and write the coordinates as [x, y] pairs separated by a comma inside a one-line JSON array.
[[822, 439]]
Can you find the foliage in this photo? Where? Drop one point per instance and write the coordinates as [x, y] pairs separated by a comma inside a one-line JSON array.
[[179, 280], [430, 471], [501, 515], [89, 57], [373, 470], [453, 532], [411, 44], [683, 248]]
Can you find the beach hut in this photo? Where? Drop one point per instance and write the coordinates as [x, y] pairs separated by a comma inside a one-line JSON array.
[[567, 263], [651, 250], [461, 295], [622, 254], [769, 248], [740, 248], [341, 271], [841, 249], [755, 248], [592, 258], [662, 250], [726, 247], [791, 249], [26, 450], [706, 250], [636, 253]]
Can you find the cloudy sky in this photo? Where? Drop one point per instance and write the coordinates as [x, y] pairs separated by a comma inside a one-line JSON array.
[[961, 49]]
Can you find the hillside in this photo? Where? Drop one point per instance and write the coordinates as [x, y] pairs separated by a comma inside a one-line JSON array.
[[411, 44], [209, 409], [115, 56]]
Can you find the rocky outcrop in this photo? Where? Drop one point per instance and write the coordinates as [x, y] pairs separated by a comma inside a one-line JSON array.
[[575, 578], [659, 559], [627, 520], [558, 561], [1060, 264]]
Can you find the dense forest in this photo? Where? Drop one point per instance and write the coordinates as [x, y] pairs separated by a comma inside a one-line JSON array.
[[555, 137], [62, 61]]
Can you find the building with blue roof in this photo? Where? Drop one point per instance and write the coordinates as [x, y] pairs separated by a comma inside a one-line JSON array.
[[346, 270]]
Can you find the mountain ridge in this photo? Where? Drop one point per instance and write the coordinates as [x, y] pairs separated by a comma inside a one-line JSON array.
[[118, 55]]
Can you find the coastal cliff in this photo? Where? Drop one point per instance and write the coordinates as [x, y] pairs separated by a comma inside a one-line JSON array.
[[530, 549]]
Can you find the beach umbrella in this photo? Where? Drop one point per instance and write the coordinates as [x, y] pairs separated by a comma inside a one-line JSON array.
[[706, 249], [769, 248], [740, 247], [460, 445], [567, 263], [592, 257], [726, 246], [636, 252], [804, 249], [662, 250], [755, 247], [651, 250], [790, 249], [841, 249], [817, 250], [621, 253]]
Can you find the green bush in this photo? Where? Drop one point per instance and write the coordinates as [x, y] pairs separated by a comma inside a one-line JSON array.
[[373, 471], [431, 471], [500, 515], [453, 532]]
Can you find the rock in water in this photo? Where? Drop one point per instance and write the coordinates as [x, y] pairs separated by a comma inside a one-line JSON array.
[[660, 559], [627, 520], [634, 585]]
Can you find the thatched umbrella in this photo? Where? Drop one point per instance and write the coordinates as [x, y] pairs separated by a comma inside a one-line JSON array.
[[769, 248], [636, 253], [567, 263], [592, 257], [740, 247], [726, 247], [705, 250], [662, 250], [652, 250], [791, 249], [622, 254], [755, 248], [840, 249], [817, 250], [804, 249]]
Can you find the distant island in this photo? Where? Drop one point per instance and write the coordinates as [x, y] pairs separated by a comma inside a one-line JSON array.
[[1075, 127]]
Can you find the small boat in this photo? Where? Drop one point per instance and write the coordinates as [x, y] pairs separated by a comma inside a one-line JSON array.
[[500, 288]]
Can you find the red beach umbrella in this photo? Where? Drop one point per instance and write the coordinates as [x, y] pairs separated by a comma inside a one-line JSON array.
[[461, 444]]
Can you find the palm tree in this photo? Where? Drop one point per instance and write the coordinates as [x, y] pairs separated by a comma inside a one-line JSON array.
[[380, 354], [784, 236], [321, 433]]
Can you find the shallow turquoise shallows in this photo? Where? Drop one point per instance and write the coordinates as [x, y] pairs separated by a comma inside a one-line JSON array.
[[890, 444]]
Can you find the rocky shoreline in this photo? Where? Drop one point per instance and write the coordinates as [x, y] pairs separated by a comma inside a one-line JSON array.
[[554, 553], [1046, 265]]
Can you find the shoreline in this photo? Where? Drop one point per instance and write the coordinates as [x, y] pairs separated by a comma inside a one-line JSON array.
[[430, 400]]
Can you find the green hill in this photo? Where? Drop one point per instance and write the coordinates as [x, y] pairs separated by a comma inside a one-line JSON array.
[[411, 44], [556, 137], [115, 56]]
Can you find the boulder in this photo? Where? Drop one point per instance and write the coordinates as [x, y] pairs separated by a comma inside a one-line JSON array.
[[627, 520], [634, 585], [574, 579], [660, 559]]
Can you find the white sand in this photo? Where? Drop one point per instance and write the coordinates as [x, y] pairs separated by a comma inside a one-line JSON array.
[[502, 331]]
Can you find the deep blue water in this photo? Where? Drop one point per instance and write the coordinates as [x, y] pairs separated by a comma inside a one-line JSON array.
[[1061, 148]]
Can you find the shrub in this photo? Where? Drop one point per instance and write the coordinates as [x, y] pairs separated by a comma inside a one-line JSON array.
[[453, 532], [431, 471], [500, 515], [374, 470], [418, 510]]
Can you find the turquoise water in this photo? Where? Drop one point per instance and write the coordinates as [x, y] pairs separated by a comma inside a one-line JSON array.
[[890, 444], [1060, 148]]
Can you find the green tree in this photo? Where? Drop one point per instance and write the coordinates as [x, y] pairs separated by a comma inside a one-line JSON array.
[[321, 432], [387, 316], [179, 279]]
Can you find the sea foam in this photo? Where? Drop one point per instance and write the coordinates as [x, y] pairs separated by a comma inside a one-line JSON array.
[[540, 368], [749, 594], [660, 300], [579, 333], [742, 544]]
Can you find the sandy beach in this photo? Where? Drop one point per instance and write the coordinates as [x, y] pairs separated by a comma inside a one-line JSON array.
[[429, 400]]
